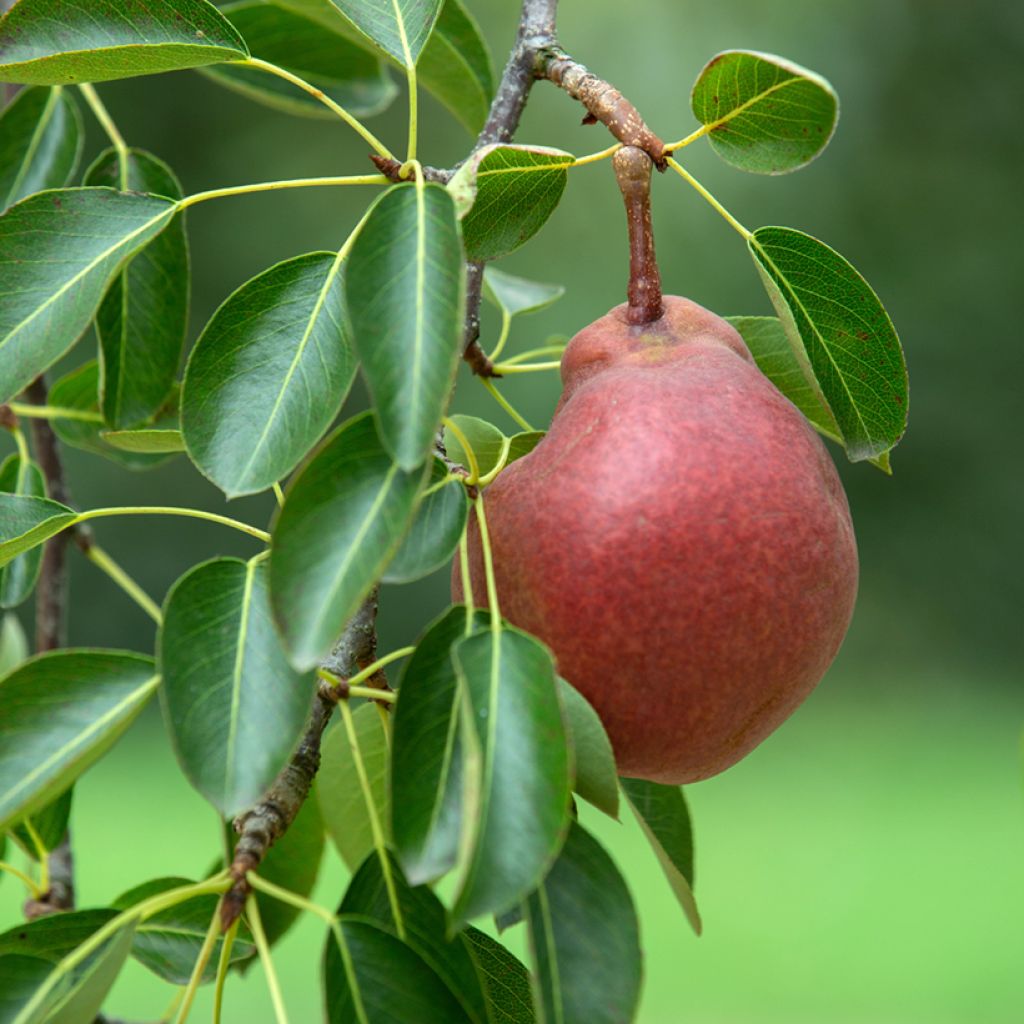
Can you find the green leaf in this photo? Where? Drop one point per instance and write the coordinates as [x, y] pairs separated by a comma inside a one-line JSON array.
[[40, 143], [766, 338], [268, 375], [50, 824], [485, 439], [424, 927], [233, 705], [665, 819], [841, 336], [59, 252], [505, 194], [168, 943], [60, 712], [382, 979], [26, 522], [456, 66], [18, 577], [342, 802], [79, 390], [435, 533], [142, 321], [405, 287], [426, 783], [345, 72], [596, 778], [522, 444], [584, 938], [293, 863], [400, 28], [344, 517], [764, 114], [13, 644], [506, 981], [516, 800], [518, 295], [58, 992], [147, 440], [53, 42]]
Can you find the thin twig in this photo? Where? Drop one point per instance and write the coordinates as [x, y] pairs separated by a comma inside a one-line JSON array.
[[51, 633], [262, 825]]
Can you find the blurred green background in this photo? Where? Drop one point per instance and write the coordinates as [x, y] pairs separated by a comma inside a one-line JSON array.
[[866, 865]]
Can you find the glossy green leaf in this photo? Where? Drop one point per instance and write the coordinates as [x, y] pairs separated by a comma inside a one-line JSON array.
[[840, 334], [40, 143], [142, 321], [345, 72], [405, 289], [233, 705], [763, 113], [424, 927], [518, 295], [772, 351], [584, 939], [516, 800], [456, 66], [665, 819], [342, 801], [20, 976], [168, 943], [18, 577], [79, 390], [596, 779], [383, 979], [268, 375], [426, 785], [293, 863], [59, 252], [506, 981], [146, 440], [345, 515], [49, 823], [400, 28], [505, 194], [62, 993], [522, 444], [485, 439], [13, 643], [435, 532], [59, 712], [26, 522], [54, 42]]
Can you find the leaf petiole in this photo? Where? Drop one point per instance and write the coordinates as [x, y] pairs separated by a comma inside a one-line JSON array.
[[103, 561], [366, 673], [698, 133], [29, 883], [504, 368], [688, 177], [260, 938], [505, 403], [375, 825], [318, 94], [52, 412], [160, 510], [107, 124], [273, 186], [474, 465], [199, 967], [485, 546]]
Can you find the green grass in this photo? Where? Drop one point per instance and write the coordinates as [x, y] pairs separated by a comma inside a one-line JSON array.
[[865, 866]]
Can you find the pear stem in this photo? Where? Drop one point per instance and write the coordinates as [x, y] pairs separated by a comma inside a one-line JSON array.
[[633, 172]]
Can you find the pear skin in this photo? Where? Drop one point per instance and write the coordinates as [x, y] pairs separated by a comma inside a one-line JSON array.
[[681, 541]]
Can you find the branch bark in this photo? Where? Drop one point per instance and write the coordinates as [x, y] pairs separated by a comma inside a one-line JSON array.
[[536, 32], [261, 826], [51, 632]]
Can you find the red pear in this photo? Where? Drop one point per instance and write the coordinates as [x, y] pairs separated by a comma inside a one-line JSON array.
[[680, 540]]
